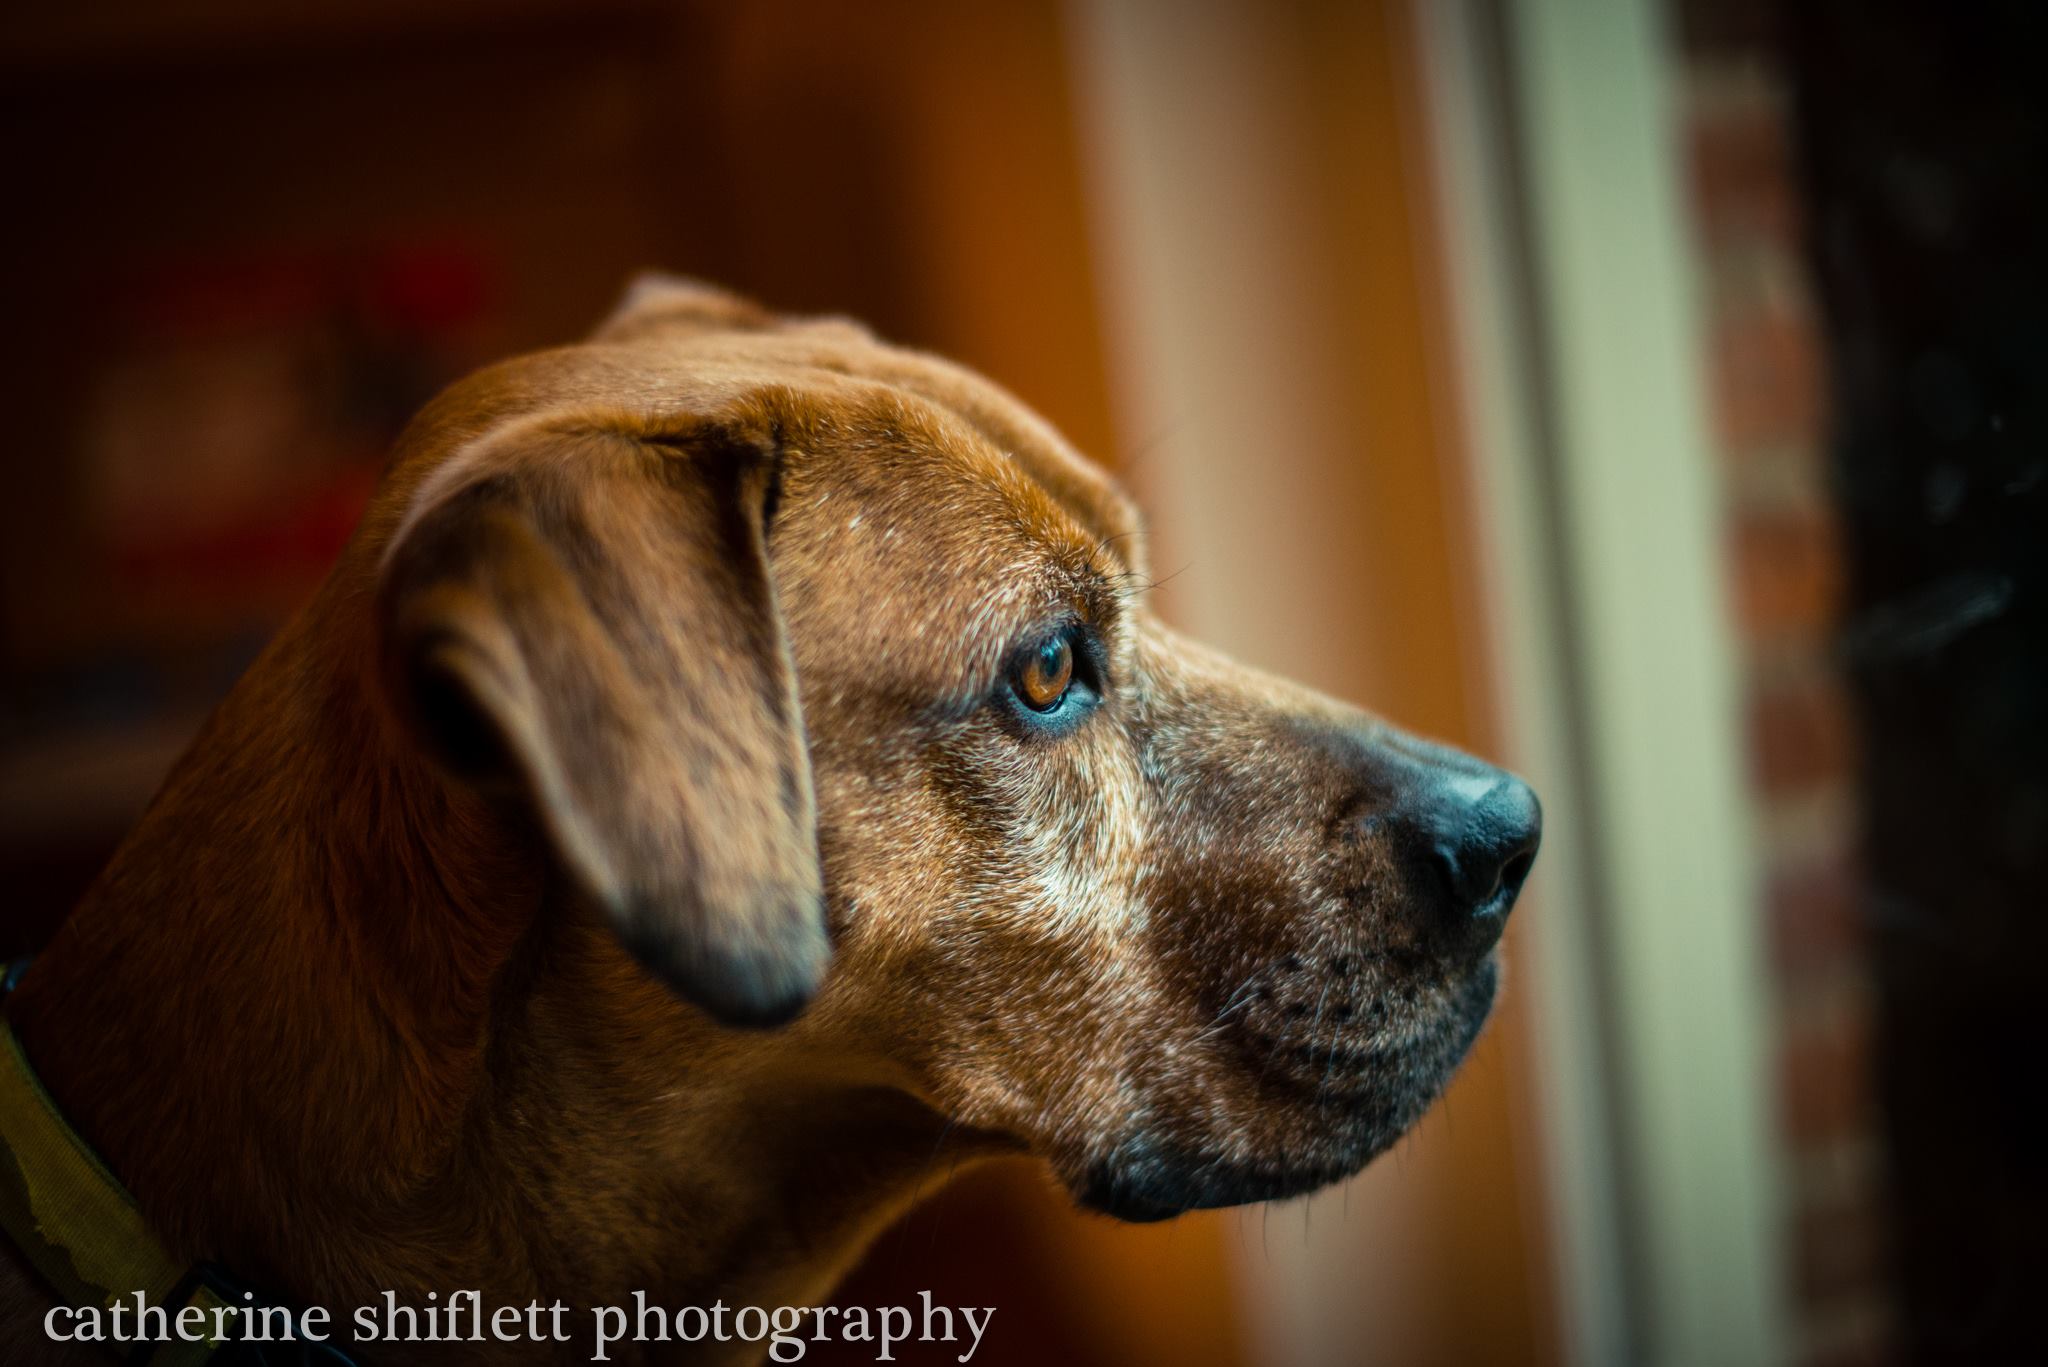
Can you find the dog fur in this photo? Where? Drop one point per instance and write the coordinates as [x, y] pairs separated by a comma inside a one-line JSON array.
[[660, 694]]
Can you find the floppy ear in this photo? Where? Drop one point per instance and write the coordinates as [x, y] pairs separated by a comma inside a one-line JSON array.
[[597, 627]]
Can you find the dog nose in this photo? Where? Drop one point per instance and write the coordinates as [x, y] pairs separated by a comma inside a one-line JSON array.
[[1474, 838]]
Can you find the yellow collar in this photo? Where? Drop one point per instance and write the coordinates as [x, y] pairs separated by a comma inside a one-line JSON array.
[[72, 1218]]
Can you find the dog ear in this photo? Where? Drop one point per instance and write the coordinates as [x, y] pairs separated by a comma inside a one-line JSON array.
[[656, 301], [595, 625]]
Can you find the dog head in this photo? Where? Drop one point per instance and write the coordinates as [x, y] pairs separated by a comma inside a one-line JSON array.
[[806, 649]]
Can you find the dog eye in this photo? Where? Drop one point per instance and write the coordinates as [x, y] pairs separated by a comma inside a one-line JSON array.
[[1042, 677], [1053, 684]]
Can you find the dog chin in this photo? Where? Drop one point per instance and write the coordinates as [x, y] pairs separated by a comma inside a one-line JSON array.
[[1148, 1177]]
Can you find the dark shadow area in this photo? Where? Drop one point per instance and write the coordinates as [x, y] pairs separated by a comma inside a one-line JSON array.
[[1925, 147]]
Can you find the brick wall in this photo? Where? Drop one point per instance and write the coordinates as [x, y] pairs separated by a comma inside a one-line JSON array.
[[1768, 393]]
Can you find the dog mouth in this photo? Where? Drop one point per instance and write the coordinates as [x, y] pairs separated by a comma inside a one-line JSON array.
[[1145, 1183], [1340, 1107]]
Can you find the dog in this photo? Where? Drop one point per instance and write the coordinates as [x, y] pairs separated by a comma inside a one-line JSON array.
[[732, 756]]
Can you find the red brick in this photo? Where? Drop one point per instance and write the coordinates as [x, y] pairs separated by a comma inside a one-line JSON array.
[[1787, 568], [1767, 385], [1768, 377], [1801, 735], [1873, 1348], [1739, 164], [1839, 1250], [1813, 919], [1824, 1063]]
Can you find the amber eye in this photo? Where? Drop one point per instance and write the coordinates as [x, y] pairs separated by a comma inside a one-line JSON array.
[[1042, 679]]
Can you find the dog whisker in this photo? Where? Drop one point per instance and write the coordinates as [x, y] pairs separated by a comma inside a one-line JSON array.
[[1242, 997]]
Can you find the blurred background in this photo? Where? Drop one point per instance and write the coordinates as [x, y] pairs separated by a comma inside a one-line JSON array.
[[1648, 395]]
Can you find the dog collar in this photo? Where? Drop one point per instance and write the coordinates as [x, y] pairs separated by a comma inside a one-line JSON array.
[[73, 1220], [78, 1225]]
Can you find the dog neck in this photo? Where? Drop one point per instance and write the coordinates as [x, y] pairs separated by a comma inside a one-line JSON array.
[[327, 1018]]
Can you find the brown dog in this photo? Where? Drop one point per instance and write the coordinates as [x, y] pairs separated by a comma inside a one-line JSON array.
[[723, 669]]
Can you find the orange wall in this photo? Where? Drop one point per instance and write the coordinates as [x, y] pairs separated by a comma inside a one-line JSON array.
[[1280, 322]]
